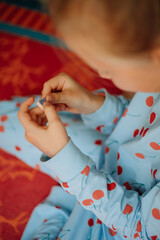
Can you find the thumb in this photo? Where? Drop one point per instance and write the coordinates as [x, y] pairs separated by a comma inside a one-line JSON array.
[[59, 97], [50, 112]]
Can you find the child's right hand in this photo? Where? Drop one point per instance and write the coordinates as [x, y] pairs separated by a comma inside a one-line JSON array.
[[71, 96]]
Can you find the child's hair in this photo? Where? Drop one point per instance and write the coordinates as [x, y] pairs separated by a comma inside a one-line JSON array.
[[121, 26]]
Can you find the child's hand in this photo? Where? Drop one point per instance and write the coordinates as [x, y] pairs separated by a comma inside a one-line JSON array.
[[66, 93], [49, 139]]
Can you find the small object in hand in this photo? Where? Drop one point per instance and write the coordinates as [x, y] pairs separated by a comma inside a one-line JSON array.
[[40, 103]]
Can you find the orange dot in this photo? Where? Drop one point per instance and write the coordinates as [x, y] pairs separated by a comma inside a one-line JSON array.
[[136, 235], [106, 149], [156, 213], [4, 118], [2, 128], [149, 101], [112, 233], [155, 145], [128, 209], [115, 120], [86, 170], [17, 148], [65, 184], [98, 194], [87, 202], [139, 227], [140, 155]]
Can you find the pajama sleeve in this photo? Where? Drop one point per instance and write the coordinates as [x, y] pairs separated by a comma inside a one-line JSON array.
[[108, 115], [124, 211]]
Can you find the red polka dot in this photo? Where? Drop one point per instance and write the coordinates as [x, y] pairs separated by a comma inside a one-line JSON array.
[[119, 170], [2, 128], [65, 184], [154, 237], [87, 202], [115, 120], [155, 145], [99, 221], [127, 185], [140, 155], [136, 235], [156, 213], [154, 173], [149, 101], [111, 186], [118, 156], [98, 194], [45, 220], [4, 118], [99, 128], [98, 142], [90, 222], [142, 130], [57, 207], [135, 132], [152, 117], [145, 131], [128, 209], [86, 170], [113, 228], [17, 148], [106, 149], [65, 124], [111, 232], [18, 104], [139, 226], [125, 112]]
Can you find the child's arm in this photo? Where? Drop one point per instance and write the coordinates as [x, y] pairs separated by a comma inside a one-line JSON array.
[[132, 215], [101, 112], [108, 115], [124, 211]]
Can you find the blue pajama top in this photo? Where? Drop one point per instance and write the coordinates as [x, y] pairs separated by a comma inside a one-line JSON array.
[[122, 189]]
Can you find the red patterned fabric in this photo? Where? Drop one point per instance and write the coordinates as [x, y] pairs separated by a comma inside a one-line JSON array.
[[21, 189]]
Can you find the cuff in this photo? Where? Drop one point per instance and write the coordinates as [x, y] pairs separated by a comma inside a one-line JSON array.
[[100, 112], [69, 162]]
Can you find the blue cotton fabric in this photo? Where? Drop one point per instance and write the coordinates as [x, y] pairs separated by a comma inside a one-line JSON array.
[[113, 190]]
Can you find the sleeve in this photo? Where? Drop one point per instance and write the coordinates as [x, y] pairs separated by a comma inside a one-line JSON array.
[[108, 115], [125, 211]]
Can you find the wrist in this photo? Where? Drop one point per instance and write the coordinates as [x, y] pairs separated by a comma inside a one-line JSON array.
[[96, 101]]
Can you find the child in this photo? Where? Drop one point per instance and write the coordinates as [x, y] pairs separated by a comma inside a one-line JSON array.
[[118, 197]]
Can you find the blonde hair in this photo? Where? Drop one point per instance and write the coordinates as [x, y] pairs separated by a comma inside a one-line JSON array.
[[124, 26]]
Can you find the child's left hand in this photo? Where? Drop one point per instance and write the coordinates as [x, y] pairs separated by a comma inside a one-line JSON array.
[[48, 139]]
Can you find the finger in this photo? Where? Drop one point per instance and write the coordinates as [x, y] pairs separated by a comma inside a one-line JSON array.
[[50, 112], [40, 118], [55, 83], [23, 113], [60, 107], [36, 110], [59, 97]]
